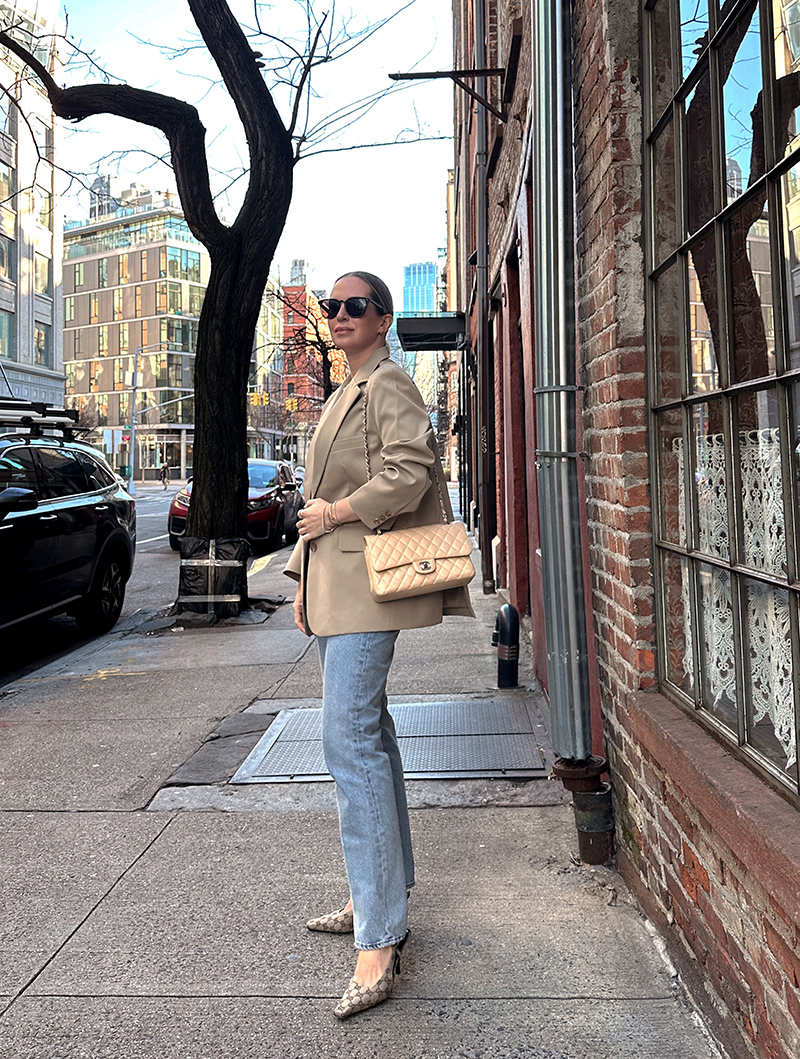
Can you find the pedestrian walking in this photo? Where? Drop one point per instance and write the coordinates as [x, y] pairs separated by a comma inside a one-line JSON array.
[[164, 475], [376, 419]]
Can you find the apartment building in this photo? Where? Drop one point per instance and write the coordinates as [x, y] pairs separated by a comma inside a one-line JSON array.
[[30, 232]]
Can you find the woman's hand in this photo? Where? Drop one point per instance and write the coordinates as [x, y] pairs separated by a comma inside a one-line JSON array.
[[319, 517], [297, 610], [310, 524]]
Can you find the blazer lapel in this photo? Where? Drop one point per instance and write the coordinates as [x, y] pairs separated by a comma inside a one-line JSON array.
[[334, 415], [327, 430]]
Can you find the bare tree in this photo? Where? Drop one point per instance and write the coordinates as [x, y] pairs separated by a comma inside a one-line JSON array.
[[240, 253]]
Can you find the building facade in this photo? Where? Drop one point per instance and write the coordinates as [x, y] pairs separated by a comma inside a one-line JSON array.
[[134, 284], [312, 365], [675, 209], [30, 232], [419, 287]]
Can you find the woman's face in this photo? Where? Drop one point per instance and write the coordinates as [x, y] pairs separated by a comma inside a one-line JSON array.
[[357, 336]]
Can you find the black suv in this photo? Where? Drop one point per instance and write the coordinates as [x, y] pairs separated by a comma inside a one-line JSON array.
[[67, 525]]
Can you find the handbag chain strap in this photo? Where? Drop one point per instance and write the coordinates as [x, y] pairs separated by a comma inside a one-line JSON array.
[[369, 470]]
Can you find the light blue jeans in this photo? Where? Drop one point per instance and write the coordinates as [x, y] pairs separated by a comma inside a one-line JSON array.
[[361, 753]]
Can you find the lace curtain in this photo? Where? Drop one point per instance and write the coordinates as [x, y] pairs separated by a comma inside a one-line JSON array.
[[766, 609]]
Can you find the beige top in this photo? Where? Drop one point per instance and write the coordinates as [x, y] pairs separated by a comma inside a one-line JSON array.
[[401, 494]]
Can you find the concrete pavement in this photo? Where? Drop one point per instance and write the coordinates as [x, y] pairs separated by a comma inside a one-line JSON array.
[[152, 909]]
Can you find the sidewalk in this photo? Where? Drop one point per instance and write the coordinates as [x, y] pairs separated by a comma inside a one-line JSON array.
[[153, 910]]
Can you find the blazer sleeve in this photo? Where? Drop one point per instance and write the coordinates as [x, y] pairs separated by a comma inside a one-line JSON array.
[[294, 568], [397, 416]]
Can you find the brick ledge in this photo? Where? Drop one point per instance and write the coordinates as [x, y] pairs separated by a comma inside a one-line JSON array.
[[755, 822]]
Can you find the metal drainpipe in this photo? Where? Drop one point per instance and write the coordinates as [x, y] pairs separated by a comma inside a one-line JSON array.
[[556, 455], [485, 477]]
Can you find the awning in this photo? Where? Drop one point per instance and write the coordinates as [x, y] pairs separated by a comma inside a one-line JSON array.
[[431, 331]]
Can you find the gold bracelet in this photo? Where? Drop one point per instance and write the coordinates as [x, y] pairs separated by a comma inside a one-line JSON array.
[[334, 520], [326, 511]]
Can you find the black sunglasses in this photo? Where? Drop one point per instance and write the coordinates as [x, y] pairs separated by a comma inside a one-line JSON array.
[[354, 307]]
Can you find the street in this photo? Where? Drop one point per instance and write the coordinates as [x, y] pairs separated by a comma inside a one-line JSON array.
[[153, 585]]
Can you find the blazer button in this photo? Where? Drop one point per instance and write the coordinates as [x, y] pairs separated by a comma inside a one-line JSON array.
[[312, 546]]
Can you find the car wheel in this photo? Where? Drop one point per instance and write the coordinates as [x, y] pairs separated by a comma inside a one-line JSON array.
[[174, 542], [275, 538], [101, 609]]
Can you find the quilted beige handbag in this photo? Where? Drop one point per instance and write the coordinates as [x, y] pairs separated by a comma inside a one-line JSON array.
[[414, 562]]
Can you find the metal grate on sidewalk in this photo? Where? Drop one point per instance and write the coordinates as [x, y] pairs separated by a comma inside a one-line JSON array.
[[484, 739]]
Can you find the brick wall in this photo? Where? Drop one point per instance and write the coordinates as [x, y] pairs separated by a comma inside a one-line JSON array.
[[711, 852], [504, 184], [611, 339], [714, 858]]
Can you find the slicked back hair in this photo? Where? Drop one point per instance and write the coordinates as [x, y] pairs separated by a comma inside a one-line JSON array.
[[380, 292]]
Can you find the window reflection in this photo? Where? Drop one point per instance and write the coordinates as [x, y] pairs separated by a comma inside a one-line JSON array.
[[662, 56], [791, 250], [694, 31], [740, 66], [700, 175], [671, 469], [753, 325], [666, 195], [669, 344], [703, 315], [680, 663], [786, 20]]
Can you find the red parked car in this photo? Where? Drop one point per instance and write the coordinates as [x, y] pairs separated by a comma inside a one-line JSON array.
[[273, 506]]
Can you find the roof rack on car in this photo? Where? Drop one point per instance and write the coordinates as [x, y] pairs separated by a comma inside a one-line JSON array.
[[37, 417]]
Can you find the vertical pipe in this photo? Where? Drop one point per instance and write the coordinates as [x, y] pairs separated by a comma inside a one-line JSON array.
[[485, 476], [554, 331]]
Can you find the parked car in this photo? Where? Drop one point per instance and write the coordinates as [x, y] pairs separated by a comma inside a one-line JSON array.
[[67, 527], [273, 505]]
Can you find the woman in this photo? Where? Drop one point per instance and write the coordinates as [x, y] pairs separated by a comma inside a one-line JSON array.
[[356, 634]]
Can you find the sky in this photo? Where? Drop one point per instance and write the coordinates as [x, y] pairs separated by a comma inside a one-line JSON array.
[[374, 208]]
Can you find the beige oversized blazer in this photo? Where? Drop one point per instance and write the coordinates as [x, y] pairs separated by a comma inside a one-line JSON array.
[[332, 569]]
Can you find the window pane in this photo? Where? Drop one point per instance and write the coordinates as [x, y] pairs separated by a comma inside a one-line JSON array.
[[786, 18], [717, 643], [710, 480], [763, 533], [694, 31], [17, 470], [665, 204], [8, 348], [740, 66], [43, 350], [7, 258], [768, 659], [703, 315], [790, 222], [669, 334], [62, 475], [699, 155], [42, 274], [662, 56], [672, 500], [753, 330]]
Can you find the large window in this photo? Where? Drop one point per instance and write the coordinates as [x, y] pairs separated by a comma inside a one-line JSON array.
[[7, 270], [42, 274], [43, 345], [8, 348], [723, 258], [7, 188]]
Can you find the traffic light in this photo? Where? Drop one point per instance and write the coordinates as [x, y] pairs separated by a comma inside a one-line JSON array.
[[291, 404], [255, 398]]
